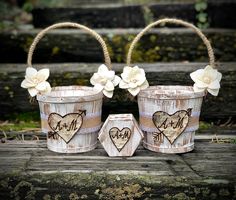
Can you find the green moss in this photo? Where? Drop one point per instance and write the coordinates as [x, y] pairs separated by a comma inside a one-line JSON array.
[[73, 196], [137, 56], [145, 51], [11, 94], [21, 121], [232, 140], [179, 196], [67, 75], [205, 192], [213, 196], [7, 88], [57, 197], [153, 38], [167, 197], [118, 42], [224, 192], [9, 91], [47, 197], [117, 39], [139, 53], [170, 49], [25, 116], [55, 51], [4, 183], [19, 126], [120, 45], [24, 190], [118, 193], [84, 196], [205, 125], [152, 54], [81, 81], [26, 45], [110, 50]]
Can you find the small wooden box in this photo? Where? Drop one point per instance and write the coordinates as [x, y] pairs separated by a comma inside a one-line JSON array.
[[120, 135]]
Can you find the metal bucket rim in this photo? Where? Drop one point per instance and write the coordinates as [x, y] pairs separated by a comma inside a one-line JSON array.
[[161, 92], [52, 97]]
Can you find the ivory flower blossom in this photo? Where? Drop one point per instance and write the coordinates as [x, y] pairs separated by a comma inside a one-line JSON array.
[[206, 79], [133, 79], [35, 81], [105, 80]]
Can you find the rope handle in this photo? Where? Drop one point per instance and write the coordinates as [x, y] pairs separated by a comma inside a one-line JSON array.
[[74, 25], [174, 21]]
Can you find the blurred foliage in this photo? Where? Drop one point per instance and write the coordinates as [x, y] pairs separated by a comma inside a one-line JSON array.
[[148, 15], [21, 121], [223, 140], [30, 4], [19, 126], [12, 16], [26, 116], [205, 125], [202, 16]]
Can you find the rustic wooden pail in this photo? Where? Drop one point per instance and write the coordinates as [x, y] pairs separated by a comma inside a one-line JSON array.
[[169, 115], [71, 115]]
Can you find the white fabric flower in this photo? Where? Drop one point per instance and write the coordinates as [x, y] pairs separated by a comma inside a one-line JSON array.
[[105, 80], [206, 79], [35, 81], [133, 79]]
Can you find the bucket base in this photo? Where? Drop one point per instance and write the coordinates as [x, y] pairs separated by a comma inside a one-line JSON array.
[[182, 149], [72, 150]]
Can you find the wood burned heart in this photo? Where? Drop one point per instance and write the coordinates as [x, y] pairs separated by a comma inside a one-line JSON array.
[[66, 126], [120, 137], [171, 125]]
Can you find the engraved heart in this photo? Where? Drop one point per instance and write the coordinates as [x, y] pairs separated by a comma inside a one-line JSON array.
[[171, 125], [66, 126], [120, 137]]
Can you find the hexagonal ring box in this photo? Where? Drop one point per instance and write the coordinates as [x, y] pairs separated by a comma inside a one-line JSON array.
[[120, 135]]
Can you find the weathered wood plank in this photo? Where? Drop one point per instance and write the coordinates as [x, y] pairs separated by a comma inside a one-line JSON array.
[[122, 15], [102, 3], [103, 17], [161, 44], [203, 174], [200, 160], [222, 106]]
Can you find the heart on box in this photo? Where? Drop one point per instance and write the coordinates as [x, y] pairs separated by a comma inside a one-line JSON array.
[[66, 126], [120, 137], [172, 125]]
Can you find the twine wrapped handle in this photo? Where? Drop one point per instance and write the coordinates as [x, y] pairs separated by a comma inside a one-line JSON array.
[[74, 25], [174, 21]]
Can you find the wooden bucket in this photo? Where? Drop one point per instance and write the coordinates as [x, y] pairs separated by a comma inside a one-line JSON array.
[[162, 107], [70, 115], [78, 108], [169, 115]]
